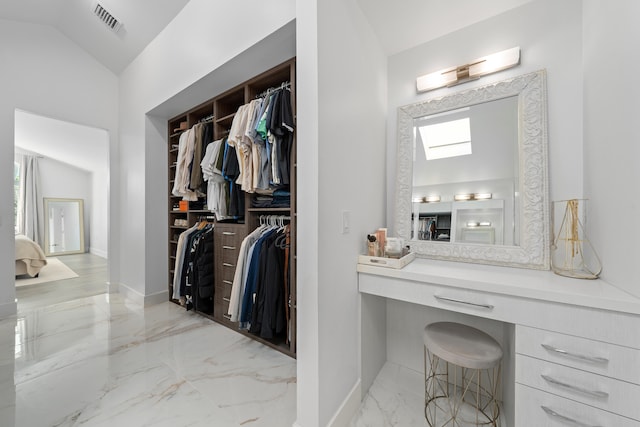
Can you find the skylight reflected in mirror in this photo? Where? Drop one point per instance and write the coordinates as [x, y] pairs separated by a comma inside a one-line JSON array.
[[447, 139]]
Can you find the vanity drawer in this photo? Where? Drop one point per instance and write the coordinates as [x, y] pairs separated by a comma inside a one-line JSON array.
[[602, 392], [535, 408], [598, 357]]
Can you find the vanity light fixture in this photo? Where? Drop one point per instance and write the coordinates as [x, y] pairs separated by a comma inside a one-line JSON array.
[[482, 196], [426, 199], [473, 70], [472, 196]]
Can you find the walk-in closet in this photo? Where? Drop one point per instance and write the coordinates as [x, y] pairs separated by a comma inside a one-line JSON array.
[[232, 208]]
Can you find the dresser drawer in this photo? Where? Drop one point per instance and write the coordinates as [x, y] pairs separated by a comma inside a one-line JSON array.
[[598, 357], [229, 234], [220, 308], [535, 408], [229, 255], [602, 392]]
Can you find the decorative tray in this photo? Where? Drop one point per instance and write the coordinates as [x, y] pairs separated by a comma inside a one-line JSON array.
[[387, 262]]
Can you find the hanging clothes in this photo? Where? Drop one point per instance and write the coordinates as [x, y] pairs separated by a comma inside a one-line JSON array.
[[217, 200], [194, 264], [268, 316], [242, 268], [188, 181], [231, 172], [260, 295], [200, 274]]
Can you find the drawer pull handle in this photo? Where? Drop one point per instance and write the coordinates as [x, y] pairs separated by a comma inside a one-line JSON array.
[[227, 282], [226, 264], [586, 358], [593, 393], [227, 316], [225, 299], [487, 306], [228, 233], [566, 419], [231, 248]]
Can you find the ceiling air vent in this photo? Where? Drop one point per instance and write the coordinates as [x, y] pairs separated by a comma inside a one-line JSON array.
[[107, 18]]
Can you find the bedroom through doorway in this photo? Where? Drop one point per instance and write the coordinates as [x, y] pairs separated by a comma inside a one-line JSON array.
[[59, 160]]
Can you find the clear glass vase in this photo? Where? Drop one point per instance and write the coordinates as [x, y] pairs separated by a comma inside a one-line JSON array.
[[572, 254]]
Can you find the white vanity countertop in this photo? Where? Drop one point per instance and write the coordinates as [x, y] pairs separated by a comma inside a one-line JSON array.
[[535, 284]]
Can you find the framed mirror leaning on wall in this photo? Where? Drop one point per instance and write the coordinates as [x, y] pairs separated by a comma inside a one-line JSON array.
[[63, 226], [472, 181]]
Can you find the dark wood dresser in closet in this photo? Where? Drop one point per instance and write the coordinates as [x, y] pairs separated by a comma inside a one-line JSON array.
[[218, 114], [227, 241]]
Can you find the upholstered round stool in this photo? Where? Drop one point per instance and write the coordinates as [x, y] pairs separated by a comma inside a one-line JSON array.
[[461, 375]]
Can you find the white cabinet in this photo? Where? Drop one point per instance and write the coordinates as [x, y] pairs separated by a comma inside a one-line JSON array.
[[610, 360], [535, 408], [594, 373], [574, 353]]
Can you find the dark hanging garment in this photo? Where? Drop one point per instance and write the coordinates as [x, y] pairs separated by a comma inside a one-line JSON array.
[[268, 316], [257, 312], [204, 265], [280, 124], [273, 315], [286, 124], [195, 172], [231, 172], [198, 183]]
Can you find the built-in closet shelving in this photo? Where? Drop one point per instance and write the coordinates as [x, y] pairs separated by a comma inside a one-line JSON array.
[[229, 234]]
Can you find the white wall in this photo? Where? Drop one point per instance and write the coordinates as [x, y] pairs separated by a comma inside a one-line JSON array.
[[342, 156], [99, 219], [612, 137], [193, 45], [555, 48], [43, 72]]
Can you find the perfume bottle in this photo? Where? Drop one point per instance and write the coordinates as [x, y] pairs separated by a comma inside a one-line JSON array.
[[373, 247]]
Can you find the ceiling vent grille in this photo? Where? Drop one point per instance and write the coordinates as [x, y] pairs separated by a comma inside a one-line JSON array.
[[108, 19]]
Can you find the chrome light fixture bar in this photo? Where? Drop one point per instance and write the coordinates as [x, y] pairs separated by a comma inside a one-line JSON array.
[[472, 196], [427, 199], [474, 70]]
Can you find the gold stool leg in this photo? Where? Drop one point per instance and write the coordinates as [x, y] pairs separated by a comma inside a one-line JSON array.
[[451, 391]]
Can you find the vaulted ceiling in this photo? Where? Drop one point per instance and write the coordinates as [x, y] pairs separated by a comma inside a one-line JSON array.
[[142, 21], [398, 24]]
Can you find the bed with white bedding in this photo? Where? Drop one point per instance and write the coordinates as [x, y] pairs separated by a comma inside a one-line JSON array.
[[29, 256]]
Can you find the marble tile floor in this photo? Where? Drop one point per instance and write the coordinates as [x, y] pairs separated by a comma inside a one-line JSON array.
[[92, 280], [395, 399], [103, 361]]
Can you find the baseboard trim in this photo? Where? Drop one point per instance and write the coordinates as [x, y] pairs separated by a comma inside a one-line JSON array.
[[130, 294], [140, 299], [99, 252], [113, 288], [157, 298], [8, 309], [348, 409]]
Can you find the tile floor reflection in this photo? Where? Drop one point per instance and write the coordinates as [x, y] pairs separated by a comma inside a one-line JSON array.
[[103, 361]]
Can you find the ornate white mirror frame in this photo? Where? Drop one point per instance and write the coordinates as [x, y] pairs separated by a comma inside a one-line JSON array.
[[533, 249]]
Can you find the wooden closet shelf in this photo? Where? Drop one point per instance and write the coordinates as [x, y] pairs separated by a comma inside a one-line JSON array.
[[269, 210], [227, 118]]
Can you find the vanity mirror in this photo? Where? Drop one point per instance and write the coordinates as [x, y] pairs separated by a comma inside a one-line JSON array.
[[472, 175]]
